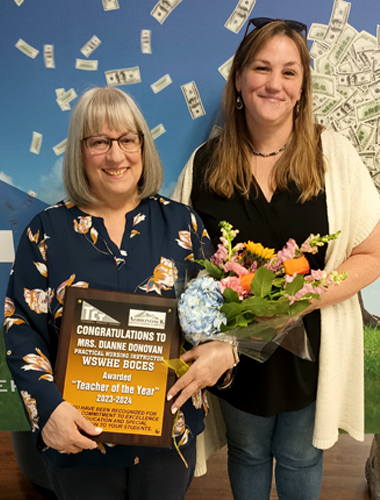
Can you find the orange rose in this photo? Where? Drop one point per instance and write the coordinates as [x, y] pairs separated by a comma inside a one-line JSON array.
[[298, 266], [246, 280]]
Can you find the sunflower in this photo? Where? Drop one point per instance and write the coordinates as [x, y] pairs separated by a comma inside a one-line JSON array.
[[255, 252]]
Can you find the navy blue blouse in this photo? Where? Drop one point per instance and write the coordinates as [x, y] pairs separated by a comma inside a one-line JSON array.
[[64, 246]]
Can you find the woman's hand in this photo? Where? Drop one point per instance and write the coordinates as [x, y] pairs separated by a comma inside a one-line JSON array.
[[62, 430], [209, 362]]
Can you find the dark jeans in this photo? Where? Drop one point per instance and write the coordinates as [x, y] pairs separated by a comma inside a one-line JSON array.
[[163, 476], [253, 443]]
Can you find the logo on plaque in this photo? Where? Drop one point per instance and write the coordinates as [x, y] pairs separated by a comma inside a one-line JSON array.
[[91, 313], [147, 319]]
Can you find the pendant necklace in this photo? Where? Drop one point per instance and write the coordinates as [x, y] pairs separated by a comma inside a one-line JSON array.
[[265, 155]]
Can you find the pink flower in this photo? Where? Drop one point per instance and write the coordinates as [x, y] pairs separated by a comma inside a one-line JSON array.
[[234, 283], [273, 265], [220, 256], [308, 288], [235, 268], [289, 278], [253, 267], [288, 251], [315, 275], [307, 248], [238, 249]]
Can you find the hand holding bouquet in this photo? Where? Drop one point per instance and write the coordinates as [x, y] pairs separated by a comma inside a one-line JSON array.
[[247, 281]]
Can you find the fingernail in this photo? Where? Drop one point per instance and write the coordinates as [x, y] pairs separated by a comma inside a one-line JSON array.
[[99, 429], [174, 410], [169, 397]]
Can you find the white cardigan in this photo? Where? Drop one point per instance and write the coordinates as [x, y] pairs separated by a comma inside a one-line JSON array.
[[353, 206]]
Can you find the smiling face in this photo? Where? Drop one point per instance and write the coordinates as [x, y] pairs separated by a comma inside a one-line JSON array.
[[113, 176], [271, 84]]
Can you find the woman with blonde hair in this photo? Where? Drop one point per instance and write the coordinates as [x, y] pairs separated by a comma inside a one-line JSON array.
[[274, 174], [113, 232]]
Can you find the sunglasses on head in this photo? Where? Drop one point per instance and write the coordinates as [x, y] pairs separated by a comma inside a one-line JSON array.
[[259, 22]]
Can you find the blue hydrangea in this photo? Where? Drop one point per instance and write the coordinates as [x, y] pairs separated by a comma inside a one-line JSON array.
[[199, 309]]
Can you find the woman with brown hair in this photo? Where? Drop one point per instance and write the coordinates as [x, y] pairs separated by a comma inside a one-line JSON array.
[[274, 174]]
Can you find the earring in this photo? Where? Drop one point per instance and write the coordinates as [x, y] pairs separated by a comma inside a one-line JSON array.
[[239, 102], [297, 109]]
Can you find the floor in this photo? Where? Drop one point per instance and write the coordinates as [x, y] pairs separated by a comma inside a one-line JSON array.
[[344, 477]]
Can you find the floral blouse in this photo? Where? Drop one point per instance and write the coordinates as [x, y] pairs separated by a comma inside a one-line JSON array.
[[64, 246]]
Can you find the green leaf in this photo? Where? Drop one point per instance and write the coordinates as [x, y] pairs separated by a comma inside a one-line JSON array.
[[230, 295], [260, 306], [299, 306], [295, 286], [231, 310], [239, 320], [261, 284], [211, 268]]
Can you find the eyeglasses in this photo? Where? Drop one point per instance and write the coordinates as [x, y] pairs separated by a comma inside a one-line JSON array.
[[259, 22], [101, 144]]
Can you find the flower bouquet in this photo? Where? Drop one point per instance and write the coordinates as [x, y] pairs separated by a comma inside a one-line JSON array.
[[252, 297]]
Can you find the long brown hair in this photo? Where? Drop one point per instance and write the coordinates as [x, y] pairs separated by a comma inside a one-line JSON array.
[[229, 168]]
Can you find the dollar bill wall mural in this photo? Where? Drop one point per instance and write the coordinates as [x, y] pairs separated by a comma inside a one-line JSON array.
[[173, 57]]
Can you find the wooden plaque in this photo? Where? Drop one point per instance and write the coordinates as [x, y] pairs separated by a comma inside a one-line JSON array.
[[109, 363]]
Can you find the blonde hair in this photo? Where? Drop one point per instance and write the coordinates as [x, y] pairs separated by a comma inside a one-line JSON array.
[[302, 160], [96, 107]]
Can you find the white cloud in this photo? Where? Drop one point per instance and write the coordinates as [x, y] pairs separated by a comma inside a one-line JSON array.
[[6, 178], [51, 188]]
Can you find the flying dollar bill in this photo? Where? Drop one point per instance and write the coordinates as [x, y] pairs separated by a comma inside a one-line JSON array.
[[340, 49], [338, 20], [161, 83], [368, 111], [19, 2], [90, 46], [110, 4], [86, 65], [324, 67], [375, 90], [316, 32], [157, 131], [64, 99], [368, 158], [329, 105], [239, 16], [323, 84], [26, 49], [355, 79], [347, 107], [36, 143], [163, 8], [193, 100], [59, 93], [125, 76], [145, 42], [49, 56], [364, 41], [60, 148], [318, 49], [365, 132], [225, 68]]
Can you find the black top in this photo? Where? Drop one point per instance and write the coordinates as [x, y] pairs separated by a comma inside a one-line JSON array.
[[284, 382]]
